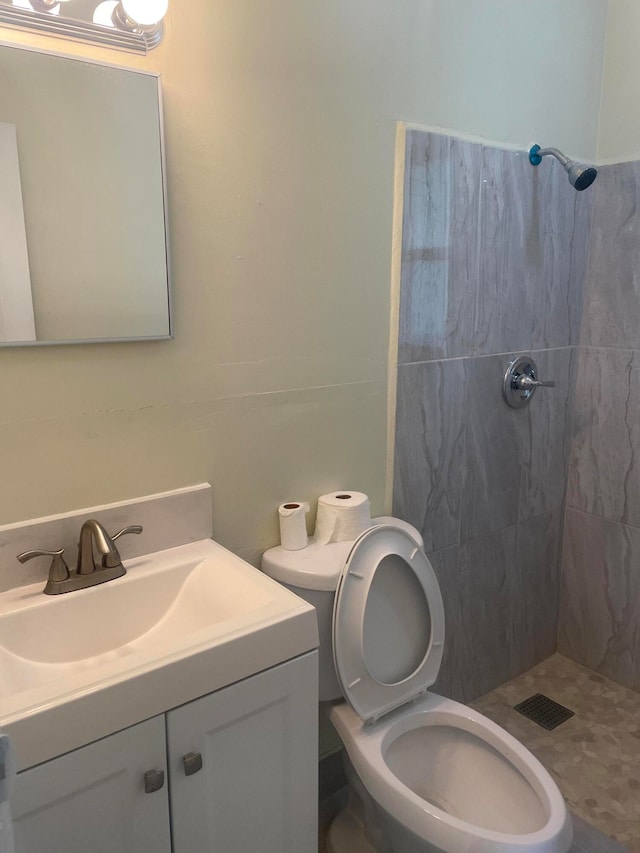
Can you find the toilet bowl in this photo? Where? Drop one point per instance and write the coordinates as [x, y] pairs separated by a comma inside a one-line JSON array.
[[442, 777], [426, 773]]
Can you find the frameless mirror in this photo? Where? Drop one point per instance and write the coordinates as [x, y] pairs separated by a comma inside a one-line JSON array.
[[83, 255]]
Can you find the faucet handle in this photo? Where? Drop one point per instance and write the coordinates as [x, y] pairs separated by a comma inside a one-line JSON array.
[[112, 559], [58, 571], [133, 528]]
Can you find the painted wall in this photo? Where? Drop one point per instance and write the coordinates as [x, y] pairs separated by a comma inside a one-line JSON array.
[[280, 125], [619, 136]]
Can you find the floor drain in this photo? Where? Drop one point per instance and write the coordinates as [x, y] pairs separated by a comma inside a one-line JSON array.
[[544, 711]]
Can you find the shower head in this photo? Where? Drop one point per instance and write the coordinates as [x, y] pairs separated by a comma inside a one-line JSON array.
[[580, 175]]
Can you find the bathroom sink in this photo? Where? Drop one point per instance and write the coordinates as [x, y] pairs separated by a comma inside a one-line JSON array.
[[158, 602], [181, 623]]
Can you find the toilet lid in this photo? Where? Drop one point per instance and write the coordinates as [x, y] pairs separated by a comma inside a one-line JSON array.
[[388, 623]]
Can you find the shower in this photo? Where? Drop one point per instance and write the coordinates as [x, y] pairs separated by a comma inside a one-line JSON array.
[[580, 175]]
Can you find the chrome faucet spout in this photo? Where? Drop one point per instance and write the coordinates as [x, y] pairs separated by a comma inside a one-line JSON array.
[[92, 531]]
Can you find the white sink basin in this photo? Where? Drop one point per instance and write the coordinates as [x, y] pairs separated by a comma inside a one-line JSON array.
[[160, 601], [181, 623]]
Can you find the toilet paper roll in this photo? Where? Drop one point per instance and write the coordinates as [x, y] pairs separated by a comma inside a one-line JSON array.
[[293, 525], [342, 516]]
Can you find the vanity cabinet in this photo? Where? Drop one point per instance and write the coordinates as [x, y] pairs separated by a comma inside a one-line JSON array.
[[241, 768], [257, 790], [92, 800]]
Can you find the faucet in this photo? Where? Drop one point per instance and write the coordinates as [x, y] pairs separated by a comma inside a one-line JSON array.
[[88, 572], [92, 532]]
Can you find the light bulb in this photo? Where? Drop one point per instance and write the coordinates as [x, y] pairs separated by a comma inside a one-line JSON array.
[[52, 7], [145, 12], [103, 14]]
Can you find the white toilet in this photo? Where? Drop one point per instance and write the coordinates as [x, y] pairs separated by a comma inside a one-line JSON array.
[[425, 773]]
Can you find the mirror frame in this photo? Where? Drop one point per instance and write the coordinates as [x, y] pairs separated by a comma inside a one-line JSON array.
[[165, 201]]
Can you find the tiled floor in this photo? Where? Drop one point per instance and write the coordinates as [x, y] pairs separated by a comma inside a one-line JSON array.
[[595, 756]]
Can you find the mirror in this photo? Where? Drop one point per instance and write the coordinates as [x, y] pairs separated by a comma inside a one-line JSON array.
[[83, 255]]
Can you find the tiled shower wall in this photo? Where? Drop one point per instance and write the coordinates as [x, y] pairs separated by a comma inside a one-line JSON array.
[[600, 612], [494, 260]]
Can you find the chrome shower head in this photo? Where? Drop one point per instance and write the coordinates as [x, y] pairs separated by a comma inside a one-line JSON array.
[[580, 175]]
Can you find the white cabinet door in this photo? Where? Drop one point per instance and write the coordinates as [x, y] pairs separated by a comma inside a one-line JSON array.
[[92, 800], [257, 789]]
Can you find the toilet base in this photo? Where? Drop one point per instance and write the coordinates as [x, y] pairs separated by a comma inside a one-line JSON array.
[[346, 835]]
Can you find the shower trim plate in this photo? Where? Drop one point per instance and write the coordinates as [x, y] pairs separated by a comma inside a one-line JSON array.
[[520, 382]]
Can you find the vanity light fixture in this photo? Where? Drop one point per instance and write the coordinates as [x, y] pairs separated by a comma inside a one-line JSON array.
[[133, 25]]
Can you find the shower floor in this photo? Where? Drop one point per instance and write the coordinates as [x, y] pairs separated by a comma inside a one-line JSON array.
[[594, 757]]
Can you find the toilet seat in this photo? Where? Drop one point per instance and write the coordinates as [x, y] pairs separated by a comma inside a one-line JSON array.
[[369, 749], [388, 623]]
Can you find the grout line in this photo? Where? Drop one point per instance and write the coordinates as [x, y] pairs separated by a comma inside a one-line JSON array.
[[497, 530], [602, 517], [489, 355], [613, 348]]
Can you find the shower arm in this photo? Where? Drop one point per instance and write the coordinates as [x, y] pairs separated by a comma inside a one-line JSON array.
[[555, 153], [581, 176]]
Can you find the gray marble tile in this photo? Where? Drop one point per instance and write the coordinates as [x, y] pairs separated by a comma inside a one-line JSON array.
[[513, 572], [464, 236], [486, 633], [429, 449], [467, 464], [493, 454], [604, 474], [533, 252], [612, 299], [547, 437], [538, 597], [600, 602], [439, 253], [169, 519], [494, 251], [450, 681]]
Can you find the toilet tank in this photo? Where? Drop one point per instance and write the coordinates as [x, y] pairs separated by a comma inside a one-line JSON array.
[[313, 574]]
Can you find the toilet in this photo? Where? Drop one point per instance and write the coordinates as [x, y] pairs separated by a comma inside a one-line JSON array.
[[425, 773]]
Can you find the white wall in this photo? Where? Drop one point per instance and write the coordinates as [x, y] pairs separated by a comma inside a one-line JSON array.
[[515, 72], [280, 123], [619, 137]]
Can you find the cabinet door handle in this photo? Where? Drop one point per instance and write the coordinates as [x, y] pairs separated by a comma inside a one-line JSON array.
[[153, 781], [192, 763]]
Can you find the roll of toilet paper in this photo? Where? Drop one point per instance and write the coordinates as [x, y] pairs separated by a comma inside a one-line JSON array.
[[342, 516], [7, 774], [293, 525]]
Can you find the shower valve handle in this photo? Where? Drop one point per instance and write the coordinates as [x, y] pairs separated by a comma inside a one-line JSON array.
[[526, 383]]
